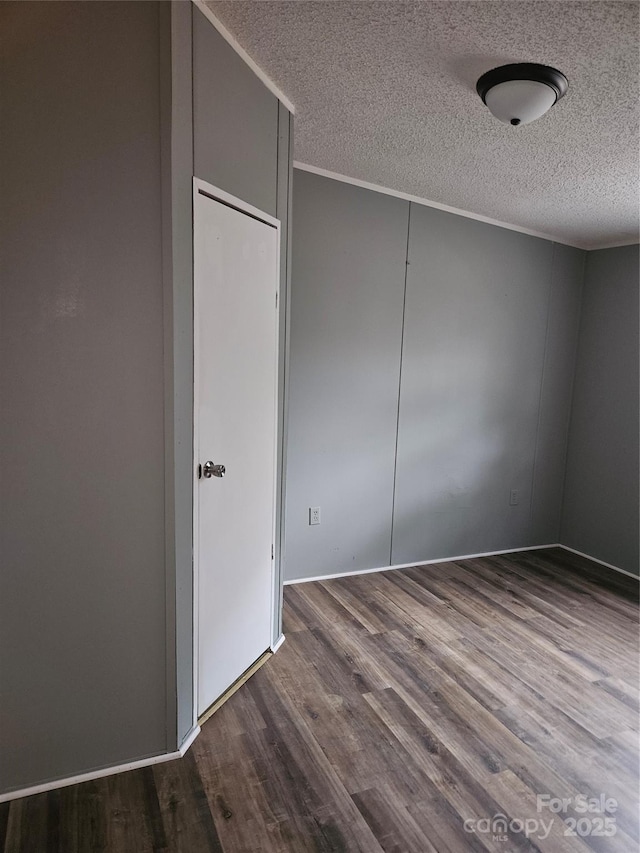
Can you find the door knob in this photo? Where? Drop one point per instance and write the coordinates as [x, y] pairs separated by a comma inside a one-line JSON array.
[[210, 469]]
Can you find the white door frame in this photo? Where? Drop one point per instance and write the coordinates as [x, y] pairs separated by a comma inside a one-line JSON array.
[[216, 194]]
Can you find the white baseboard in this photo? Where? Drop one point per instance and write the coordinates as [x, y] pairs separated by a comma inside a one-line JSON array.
[[277, 644], [600, 562], [104, 771], [462, 557], [420, 563]]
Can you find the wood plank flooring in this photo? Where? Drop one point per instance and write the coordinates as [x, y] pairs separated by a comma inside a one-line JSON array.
[[405, 710]]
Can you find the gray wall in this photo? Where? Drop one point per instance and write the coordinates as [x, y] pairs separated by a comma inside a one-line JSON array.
[[477, 311], [600, 513], [230, 119], [176, 141], [567, 275], [82, 643], [97, 164], [349, 249], [484, 388]]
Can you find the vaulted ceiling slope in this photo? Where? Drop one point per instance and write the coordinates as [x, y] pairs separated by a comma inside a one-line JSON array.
[[385, 92]]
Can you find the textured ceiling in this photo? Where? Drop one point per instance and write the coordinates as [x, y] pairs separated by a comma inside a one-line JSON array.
[[384, 92]]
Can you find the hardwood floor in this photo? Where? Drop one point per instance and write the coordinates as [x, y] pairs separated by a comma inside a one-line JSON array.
[[405, 710]]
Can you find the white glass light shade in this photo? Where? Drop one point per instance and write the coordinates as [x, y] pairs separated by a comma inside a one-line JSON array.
[[520, 101]]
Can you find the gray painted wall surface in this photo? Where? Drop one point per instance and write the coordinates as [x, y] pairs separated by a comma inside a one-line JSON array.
[[97, 351], [177, 220], [235, 121], [82, 642], [283, 208], [555, 396], [474, 343], [490, 332], [349, 248], [600, 513]]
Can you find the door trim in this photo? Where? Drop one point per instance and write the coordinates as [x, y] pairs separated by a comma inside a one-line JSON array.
[[208, 190]]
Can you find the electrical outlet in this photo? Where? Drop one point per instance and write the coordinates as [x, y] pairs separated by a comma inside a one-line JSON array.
[[514, 498], [314, 515]]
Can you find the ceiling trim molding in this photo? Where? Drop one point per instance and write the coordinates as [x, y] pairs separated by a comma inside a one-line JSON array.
[[242, 53], [305, 167], [616, 245]]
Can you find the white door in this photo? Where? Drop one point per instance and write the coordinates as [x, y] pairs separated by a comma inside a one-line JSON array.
[[236, 253]]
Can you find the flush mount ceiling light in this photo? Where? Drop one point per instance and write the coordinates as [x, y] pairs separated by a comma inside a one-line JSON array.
[[522, 92]]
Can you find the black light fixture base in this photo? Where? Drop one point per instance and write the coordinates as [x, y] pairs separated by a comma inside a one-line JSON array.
[[523, 71]]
